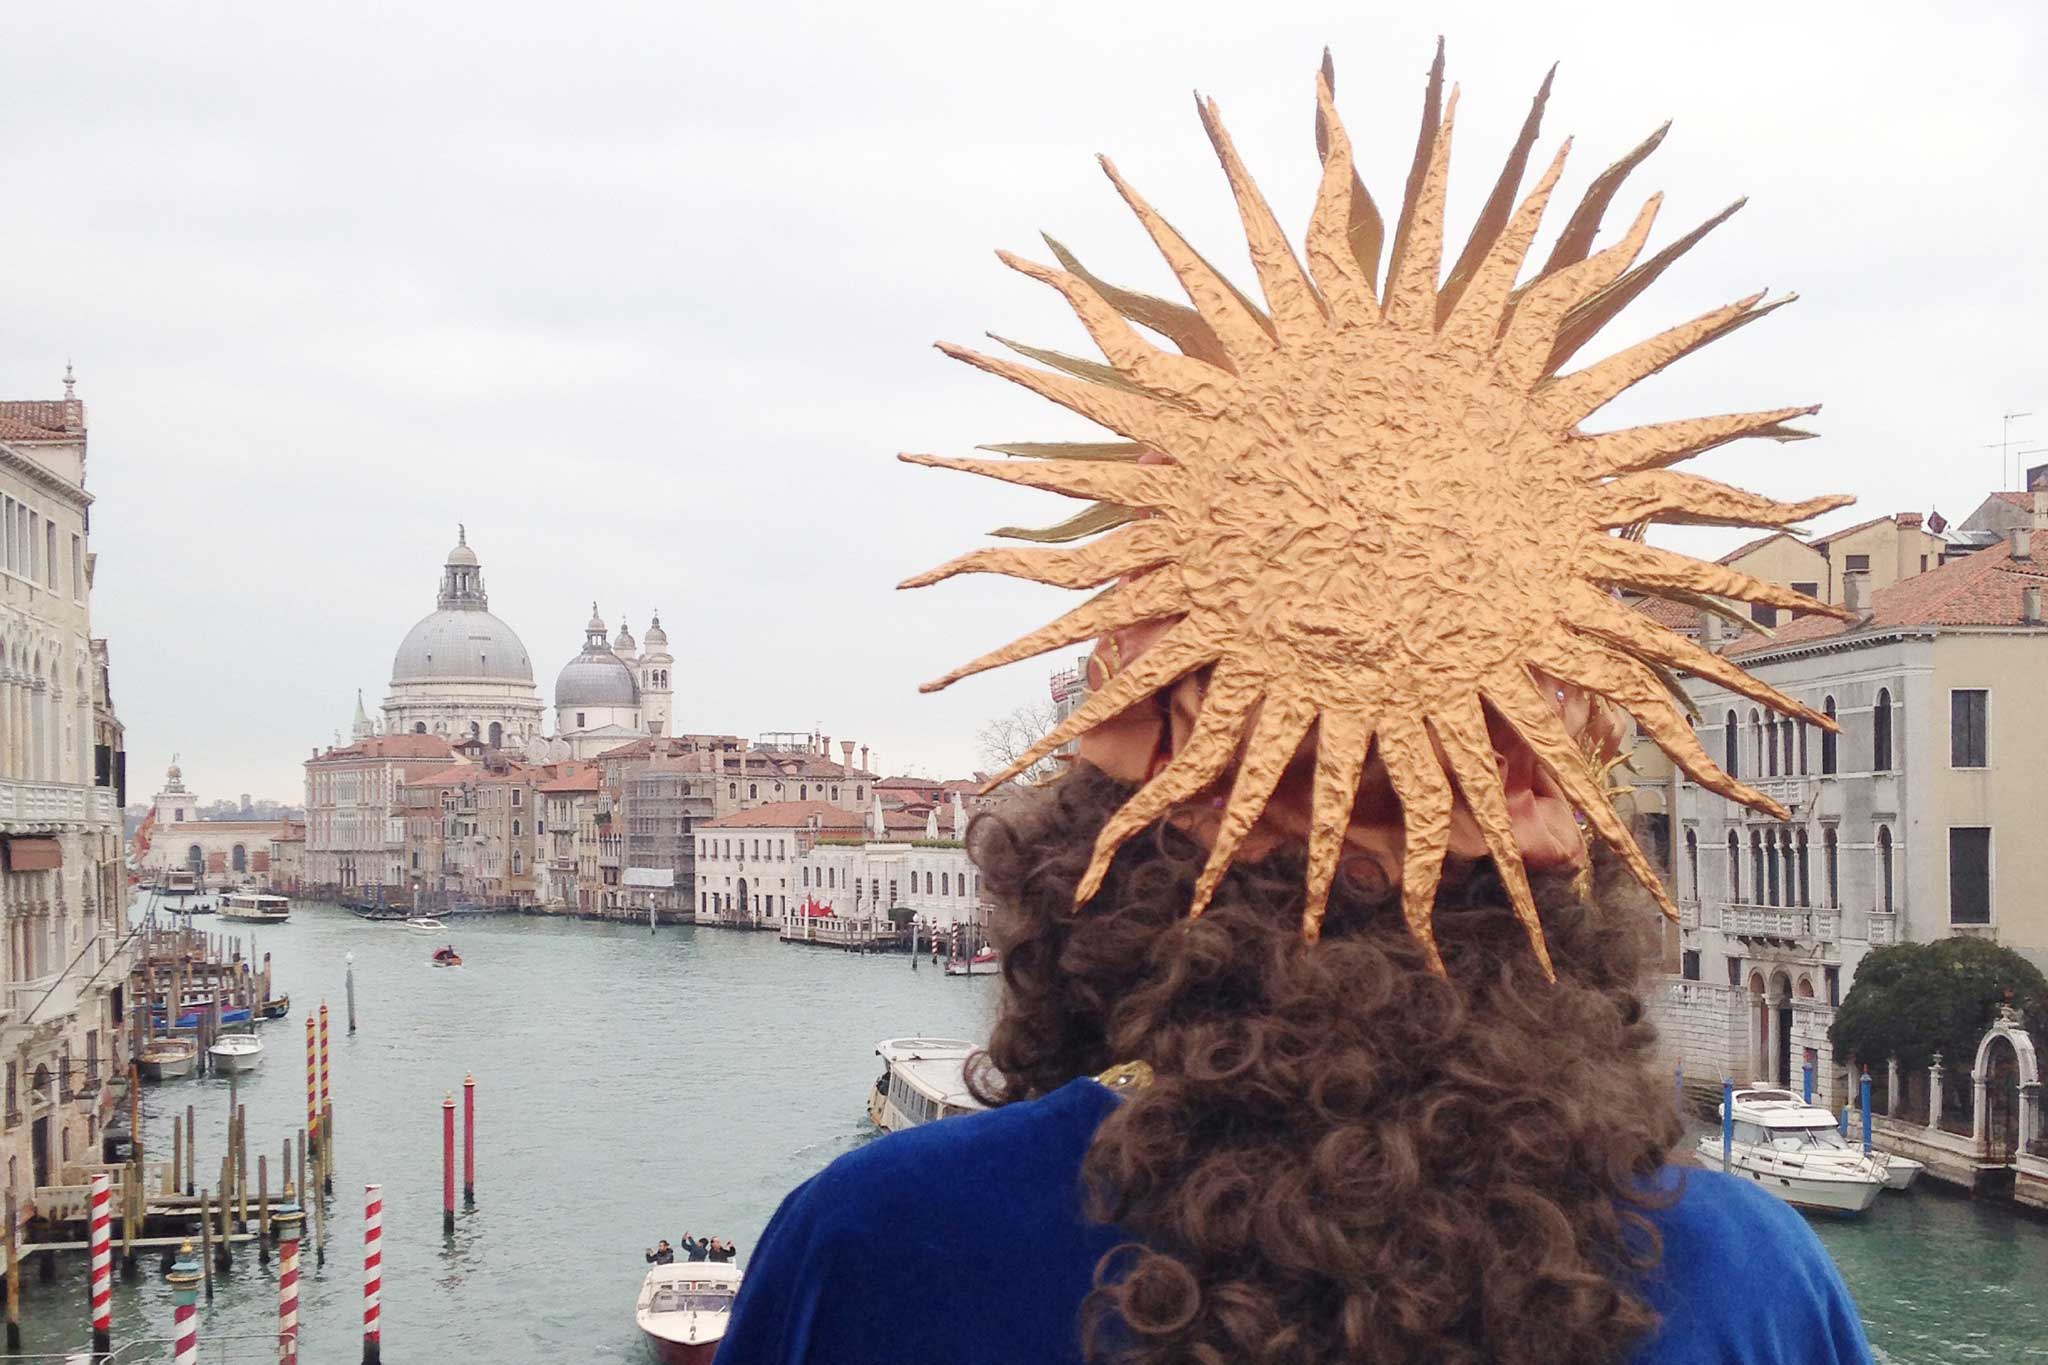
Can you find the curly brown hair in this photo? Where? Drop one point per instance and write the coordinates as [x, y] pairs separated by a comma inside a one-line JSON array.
[[1341, 1156]]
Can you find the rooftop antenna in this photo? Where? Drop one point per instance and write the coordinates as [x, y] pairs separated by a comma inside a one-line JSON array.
[[2004, 443]]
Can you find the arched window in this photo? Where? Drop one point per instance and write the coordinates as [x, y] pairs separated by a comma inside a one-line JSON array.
[[419, 727], [1692, 861], [1756, 865], [1805, 884], [1831, 867], [1802, 749], [475, 730], [1827, 738], [945, 883], [1757, 749], [1785, 741], [732, 791], [1772, 857], [1766, 735], [1884, 869], [803, 792], [1728, 744], [753, 791], [1734, 867], [1881, 732], [497, 734], [239, 860]]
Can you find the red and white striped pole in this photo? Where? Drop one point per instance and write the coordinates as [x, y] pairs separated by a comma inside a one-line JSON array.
[[184, 1278], [373, 1273], [312, 1083], [469, 1142], [289, 1218], [448, 1166], [102, 1266]]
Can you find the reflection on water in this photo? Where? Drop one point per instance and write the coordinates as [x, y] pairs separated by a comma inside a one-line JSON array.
[[635, 1085]]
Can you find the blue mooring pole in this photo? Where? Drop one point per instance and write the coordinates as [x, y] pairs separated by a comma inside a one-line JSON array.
[[1806, 1083], [1727, 1123], [1678, 1084], [1845, 1118], [1866, 1109]]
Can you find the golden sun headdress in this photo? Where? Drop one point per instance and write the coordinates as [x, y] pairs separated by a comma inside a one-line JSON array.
[[1365, 512]]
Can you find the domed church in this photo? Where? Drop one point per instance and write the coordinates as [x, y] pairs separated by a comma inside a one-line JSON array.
[[610, 694], [462, 673]]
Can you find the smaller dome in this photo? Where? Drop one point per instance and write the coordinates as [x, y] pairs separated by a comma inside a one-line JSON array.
[[596, 624], [624, 644], [596, 680], [174, 775], [657, 638], [462, 555]]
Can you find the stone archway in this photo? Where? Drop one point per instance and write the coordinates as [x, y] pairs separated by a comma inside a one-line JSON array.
[[2007, 1088]]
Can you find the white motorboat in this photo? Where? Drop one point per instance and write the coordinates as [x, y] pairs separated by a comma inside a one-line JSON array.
[[426, 925], [248, 905], [166, 1059], [684, 1308], [236, 1052], [1792, 1149], [1901, 1171], [922, 1080]]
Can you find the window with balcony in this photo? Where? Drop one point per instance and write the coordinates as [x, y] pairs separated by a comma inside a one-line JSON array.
[[1774, 858], [1884, 869], [1881, 732], [1756, 866], [1805, 884], [1785, 743], [1828, 738], [1728, 744], [1968, 727], [1692, 862], [1734, 867], [1759, 750], [1803, 770], [1689, 964], [1969, 874]]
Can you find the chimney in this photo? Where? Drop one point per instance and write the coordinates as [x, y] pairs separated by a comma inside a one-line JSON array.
[[2030, 606], [846, 751], [2020, 541], [1710, 629], [864, 759], [825, 747], [1856, 590]]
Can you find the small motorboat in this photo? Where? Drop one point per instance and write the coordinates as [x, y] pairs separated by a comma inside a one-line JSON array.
[[426, 924], [247, 905], [922, 1080], [275, 1009], [984, 961], [167, 1059], [236, 1052], [447, 957], [684, 1308], [1901, 1171], [1793, 1150]]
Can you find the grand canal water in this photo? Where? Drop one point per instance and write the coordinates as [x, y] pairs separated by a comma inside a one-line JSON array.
[[633, 1085]]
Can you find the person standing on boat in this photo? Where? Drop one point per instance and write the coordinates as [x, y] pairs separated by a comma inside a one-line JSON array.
[[1323, 1035], [661, 1253], [695, 1249]]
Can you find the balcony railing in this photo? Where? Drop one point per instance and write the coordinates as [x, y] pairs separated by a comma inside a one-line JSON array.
[[54, 803], [1781, 922], [1688, 914], [1884, 928], [50, 997]]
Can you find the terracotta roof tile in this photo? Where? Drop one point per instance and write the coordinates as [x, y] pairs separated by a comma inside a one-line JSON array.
[[788, 815], [1757, 544], [444, 777], [576, 780], [393, 746]]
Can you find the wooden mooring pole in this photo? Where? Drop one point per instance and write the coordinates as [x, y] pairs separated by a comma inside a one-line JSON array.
[[206, 1242], [448, 1166], [13, 1276]]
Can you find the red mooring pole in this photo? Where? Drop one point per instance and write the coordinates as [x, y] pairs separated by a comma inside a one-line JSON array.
[[373, 1274], [469, 1142], [102, 1267], [448, 1166]]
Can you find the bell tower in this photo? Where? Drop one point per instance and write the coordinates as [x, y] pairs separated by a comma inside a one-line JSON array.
[[654, 665]]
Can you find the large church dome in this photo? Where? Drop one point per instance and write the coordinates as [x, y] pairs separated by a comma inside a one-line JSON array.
[[597, 676], [461, 639]]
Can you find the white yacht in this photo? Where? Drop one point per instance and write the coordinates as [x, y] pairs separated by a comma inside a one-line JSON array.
[[425, 924], [922, 1079], [683, 1309], [1792, 1149], [249, 905], [236, 1052]]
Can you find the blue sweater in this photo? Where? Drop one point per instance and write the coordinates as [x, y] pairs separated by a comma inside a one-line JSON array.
[[964, 1242]]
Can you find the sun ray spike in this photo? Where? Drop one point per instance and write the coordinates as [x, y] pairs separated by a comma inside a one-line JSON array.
[[1425, 794], [1412, 285], [1596, 614], [1586, 319], [1664, 495], [1539, 726], [1127, 604], [1343, 739], [1668, 443], [1207, 753], [1418, 168], [1282, 724], [1364, 230], [1634, 686], [1241, 330], [1179, 652], [1190, 383], [1576, 241], [1102, 516], [1291, 301], [1126, 414], [1475, 318], [1493, 216], [1177, 322], [1089, 371], [1133, 485], [1570, 398], [1524, 347], [1068, 450], [1139, 545], [1461, 730], [1631, 564]]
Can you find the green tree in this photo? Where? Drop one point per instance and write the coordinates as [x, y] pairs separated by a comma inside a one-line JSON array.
[[1913, 1000]]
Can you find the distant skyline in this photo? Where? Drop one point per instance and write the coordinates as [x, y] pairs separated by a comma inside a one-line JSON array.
[[646, 296]]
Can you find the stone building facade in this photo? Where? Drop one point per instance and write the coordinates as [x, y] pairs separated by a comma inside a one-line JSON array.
[[62, 758], [355, 820], [746, 867]]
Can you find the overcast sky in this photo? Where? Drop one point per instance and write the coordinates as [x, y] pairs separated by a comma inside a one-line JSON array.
[[644, 295]]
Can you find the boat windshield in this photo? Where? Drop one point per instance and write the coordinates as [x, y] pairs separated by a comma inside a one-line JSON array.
[[1806, 1139], [688, 1301]]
